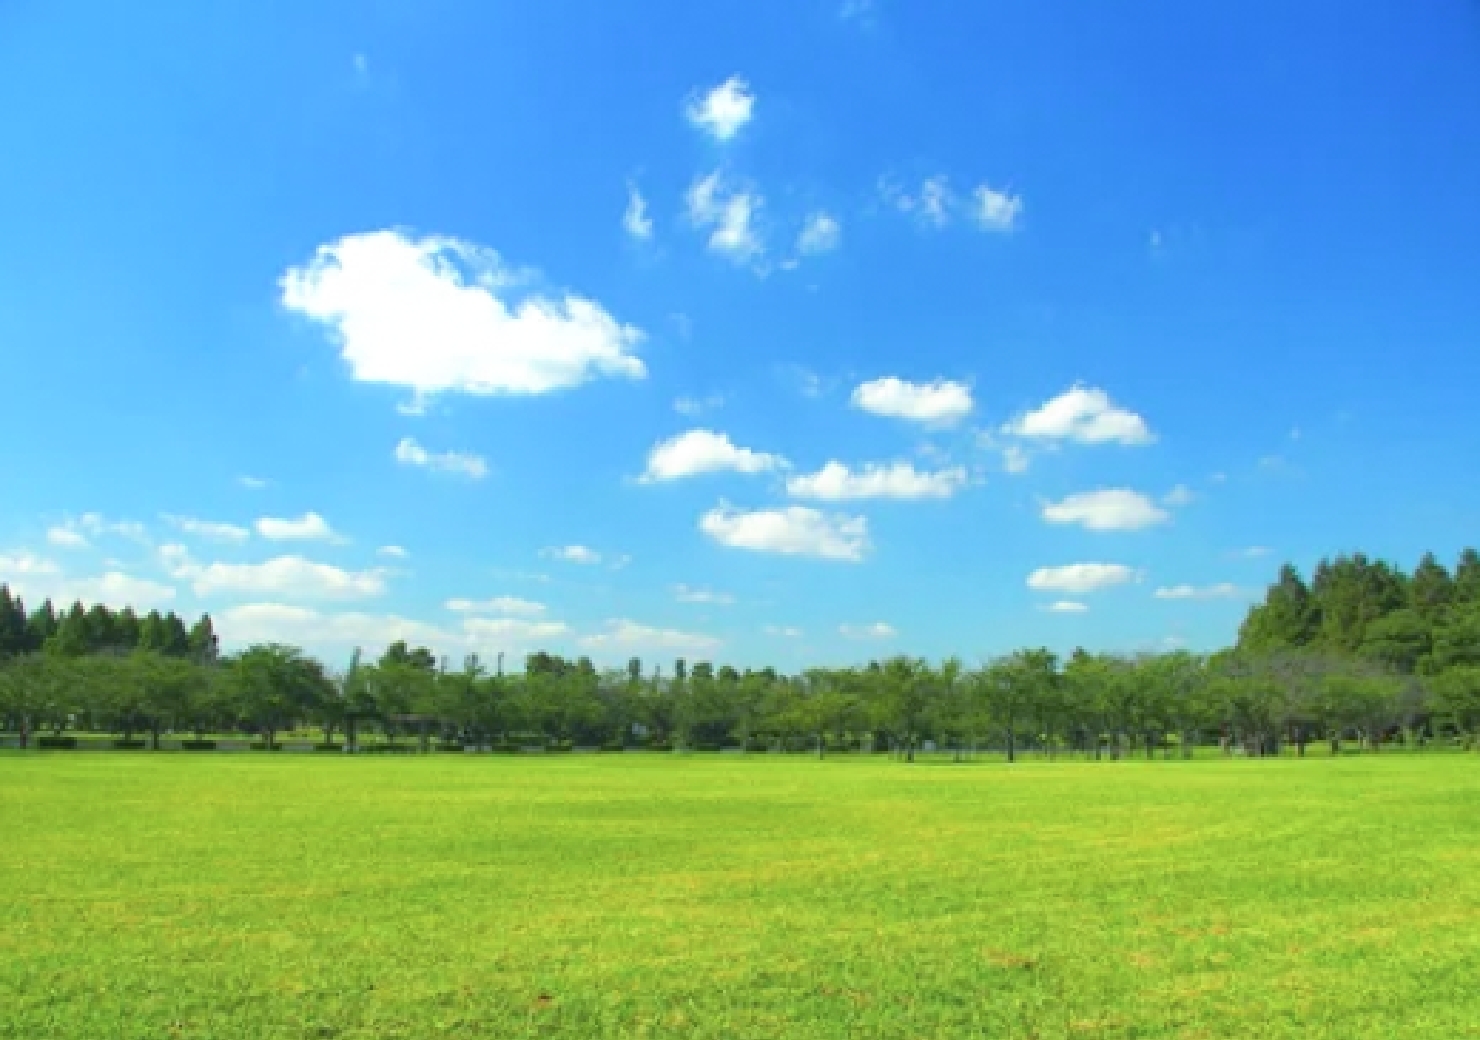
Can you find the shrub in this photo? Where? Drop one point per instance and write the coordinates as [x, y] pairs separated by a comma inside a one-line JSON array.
[[505, 749], [56, 743], [328, 747], [130, 745], [457, 748], [559, 747], [612, 747], [261, 746], [197, 745]]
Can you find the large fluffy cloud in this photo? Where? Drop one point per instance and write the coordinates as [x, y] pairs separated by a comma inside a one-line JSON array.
[[835, 482], [1084, 414], [310, 527], [287, 623], [1080, 578], [440, 315], [704, 451], [286, 577], [1111, 510], [942, 401], [791, 531]]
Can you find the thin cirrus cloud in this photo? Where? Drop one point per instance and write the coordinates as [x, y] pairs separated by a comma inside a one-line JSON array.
[[77, 533], [1067, 606], [456, 463], [511, 606], [699, 452], [635, 219], [393, 552], [65, 537], [723, 111], [1224, 590], [877, 630], [624, 635], [996, 210], [835, 482], [789, 531], [578, 554], [441, 315], [708, 597], [1111, 510], [310, 527], [730, 214], [209, 530], [1077, 579], [941, 402], [820, 234], [1083, 414]]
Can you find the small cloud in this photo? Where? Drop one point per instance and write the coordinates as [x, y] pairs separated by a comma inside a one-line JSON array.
[[782, 631], [65, 537], [461, 464], [997, 210], [393, 552], [254, 483], [1067, 606], [1256, 552], [877, 630], [1179, 496], [1015, 460], [1295, 433], [693, 407], [860, 11], [1218, 478], [821, 234], [942, 402], [1083, 414], [210, 530], [1112, 510], [507, 605], [627, 636], [835, 482], [25, 565], [687, 594], [791, 531], [1221, 591], [635, 221], [723, 111], [310, 527], [729, 213], [700, 452], [361, 64], [1080, 578], [578, 554]]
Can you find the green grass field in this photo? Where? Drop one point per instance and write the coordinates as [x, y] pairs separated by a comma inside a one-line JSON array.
[[284, 897]]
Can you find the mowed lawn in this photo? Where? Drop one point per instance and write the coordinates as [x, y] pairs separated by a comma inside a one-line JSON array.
[[282, 896]]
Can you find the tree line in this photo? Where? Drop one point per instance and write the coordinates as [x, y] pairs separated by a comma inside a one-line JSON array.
[[1364, 657]]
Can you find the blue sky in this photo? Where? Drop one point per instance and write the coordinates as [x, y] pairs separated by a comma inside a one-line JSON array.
[[784, 332]]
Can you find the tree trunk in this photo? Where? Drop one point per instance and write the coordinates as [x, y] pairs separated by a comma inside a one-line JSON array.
[[1011, 746], [154, 737]]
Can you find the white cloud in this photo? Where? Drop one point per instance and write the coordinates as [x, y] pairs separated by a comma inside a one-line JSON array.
[[730, 214], [820, 234], [861, 11], [26, 565], [635, 221], [877, 630], [1015, 460], [1221, 591], [1083, 414], [210, 530], [394, 552], [686, 594], [1112, 510], [254, 483], [1179, 496], [66, 538], [791, 531], [943, 402], [783, 631], [704, 451], [573, 554], [1256, 552], [457, 463], [310, 527], [997, 210], [290, 577], [1067, 606], [835, 482], [625, 636], [437, 315], [1080, 578], [693, 407], [510, 605], [723, 111], [118, 590], [932, 205], [280, 622]]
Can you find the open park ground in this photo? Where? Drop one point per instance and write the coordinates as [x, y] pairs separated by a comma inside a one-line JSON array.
[[266, 896]]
